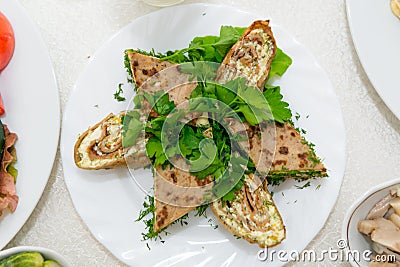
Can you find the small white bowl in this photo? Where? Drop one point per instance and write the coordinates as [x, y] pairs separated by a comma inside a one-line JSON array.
[[48, 254], [358, 211]]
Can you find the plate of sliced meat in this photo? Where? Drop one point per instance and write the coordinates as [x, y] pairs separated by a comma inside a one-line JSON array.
[[200, 156], [29, 141]]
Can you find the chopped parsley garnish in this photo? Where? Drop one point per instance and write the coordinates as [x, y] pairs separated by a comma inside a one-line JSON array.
[[303, 186], [147, 215], [118, 94]]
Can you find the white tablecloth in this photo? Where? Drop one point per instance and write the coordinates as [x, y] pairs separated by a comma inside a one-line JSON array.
[[74, 29]]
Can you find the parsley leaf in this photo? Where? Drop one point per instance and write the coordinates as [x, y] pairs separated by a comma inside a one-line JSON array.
[[155, 151], [163, 105], [188, 141], [159, 102], [131, 128], [207, 48], [280, 63], [280, 109], [207, 157], [228, 37]]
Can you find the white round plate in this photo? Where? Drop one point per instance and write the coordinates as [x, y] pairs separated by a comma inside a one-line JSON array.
[[376, 36], [109, 201], [30, 97]]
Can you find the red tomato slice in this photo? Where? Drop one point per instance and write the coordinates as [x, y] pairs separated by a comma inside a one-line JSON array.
[[7, 41]]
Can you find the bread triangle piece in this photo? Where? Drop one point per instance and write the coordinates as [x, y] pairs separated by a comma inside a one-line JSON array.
[[168, 185], [151, 75], [92, 150], [176, 192], [250, 56], [294, 156], [252, 215]]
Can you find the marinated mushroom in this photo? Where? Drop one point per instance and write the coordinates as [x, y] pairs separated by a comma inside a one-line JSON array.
[[380, 208], [395, 203], [382, 225]]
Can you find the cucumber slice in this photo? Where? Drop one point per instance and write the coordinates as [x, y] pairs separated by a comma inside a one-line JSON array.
[[23, 259]]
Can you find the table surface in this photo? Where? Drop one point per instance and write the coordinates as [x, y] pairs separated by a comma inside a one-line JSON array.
[[74, 30]]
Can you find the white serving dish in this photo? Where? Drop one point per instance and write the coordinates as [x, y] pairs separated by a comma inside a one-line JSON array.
[[356, 241]]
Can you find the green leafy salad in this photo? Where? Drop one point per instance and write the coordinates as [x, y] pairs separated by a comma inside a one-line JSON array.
[[205, 142]]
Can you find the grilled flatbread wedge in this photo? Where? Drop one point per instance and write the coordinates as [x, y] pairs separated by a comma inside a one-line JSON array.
[[279, 151], [169, 78], [252, 215], [251, 56], [176, 192], [101, 146], [291, 155], [293, 158]]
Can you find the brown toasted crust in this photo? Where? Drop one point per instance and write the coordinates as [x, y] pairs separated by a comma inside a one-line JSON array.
[[148, 71], [78, 157], [236, 233], [168, 188], [276, 148], [176, 193], [144, 67], [259, 24], [292, 153]]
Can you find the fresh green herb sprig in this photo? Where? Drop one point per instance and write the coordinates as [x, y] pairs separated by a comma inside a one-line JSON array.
[[201, 211], [207, 48], [149, 209], [118, 94], [279, 108], [147, 215], [280, 63]]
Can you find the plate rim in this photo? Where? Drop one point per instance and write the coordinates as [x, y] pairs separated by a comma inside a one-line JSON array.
[[370, 76]]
